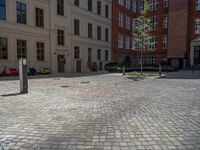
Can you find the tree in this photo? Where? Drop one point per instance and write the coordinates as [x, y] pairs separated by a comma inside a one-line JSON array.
[[142, 35]]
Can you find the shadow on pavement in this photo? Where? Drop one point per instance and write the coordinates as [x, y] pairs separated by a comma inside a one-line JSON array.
[[63, 75], [9, 95], [183, 74]]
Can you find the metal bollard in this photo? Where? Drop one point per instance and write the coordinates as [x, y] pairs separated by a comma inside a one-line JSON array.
[[123, 70], [23, 76], [160, 70]]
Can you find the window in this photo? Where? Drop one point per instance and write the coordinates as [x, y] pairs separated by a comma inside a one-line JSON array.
[[98, 7], [133, 24], [128, 4], [165, 41], [76, 27], [61, 37], [154, 23], [165, 21], [89, 30], [60, 7], [127, 42], [141, 6], [21, 13], [99, 54], [106, 11], [120, 40], [152, 60], [76, 52], [98, 33], [128, 23], [153, 43], [90, 5], [120, 19], [77, 2], [197, 26], [134, 7], [39, 17], [40, 51], [166, 3], [3, 48], [21, 49], [153, 5], [106, 35], [106, 55], [2, 10], [121, 2], [89, 54]]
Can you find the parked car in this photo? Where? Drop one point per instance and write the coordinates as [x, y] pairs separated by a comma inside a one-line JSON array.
[[111, 67]]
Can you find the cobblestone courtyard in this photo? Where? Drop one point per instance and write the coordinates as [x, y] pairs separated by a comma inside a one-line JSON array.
[[101, 112]]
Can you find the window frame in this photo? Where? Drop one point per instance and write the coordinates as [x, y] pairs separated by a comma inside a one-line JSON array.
[[39, 17], [3, 7], [60, 7], [21, 48], [61, 37], [40, 46], [3, 48], [22, 19]]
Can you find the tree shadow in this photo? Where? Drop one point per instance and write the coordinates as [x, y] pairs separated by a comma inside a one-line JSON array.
[[184, 74]]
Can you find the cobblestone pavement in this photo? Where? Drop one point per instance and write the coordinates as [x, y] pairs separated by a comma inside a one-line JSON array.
[[101, 113]]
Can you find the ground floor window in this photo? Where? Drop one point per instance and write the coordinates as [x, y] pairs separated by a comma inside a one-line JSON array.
[[40, 51], [99, 54], [76, 52], [197, 55], [106, 55], [3, 48], [21, 49]]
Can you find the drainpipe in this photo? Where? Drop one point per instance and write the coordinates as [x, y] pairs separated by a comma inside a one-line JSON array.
[[50, 46]]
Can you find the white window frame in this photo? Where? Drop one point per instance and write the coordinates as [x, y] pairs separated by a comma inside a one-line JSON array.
[[128, 23], [120, 19], [165, 41], [153, 43], [127, 42], [128, 4], [153, 5], [121, 2], [133, 24], [166, 3], [197, 5], [120, 40], [165, 21], [197, 26], [134, 7], [154, 23], [141, 5]]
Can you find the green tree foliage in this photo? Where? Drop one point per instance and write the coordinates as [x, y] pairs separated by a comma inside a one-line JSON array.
[[142, 34]]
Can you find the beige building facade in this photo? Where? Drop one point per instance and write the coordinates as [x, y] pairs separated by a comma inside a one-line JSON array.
[[43, 32], [19, 34], [91, 34]]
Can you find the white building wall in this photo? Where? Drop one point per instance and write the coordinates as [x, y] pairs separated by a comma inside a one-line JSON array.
[[29, 32], [84, 16], [60, 22]]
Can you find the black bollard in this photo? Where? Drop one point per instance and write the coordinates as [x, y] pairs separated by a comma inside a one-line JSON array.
[[23, 76]]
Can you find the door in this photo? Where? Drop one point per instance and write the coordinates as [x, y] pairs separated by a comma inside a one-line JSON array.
[[78, 66], [61, 63], [100, 66]]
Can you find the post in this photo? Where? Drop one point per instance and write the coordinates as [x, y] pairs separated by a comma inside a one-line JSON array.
[[160, 70], [123, 70], [193, 69], [23, 76]]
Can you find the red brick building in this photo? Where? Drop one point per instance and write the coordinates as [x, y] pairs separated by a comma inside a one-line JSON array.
[[174, 23]]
